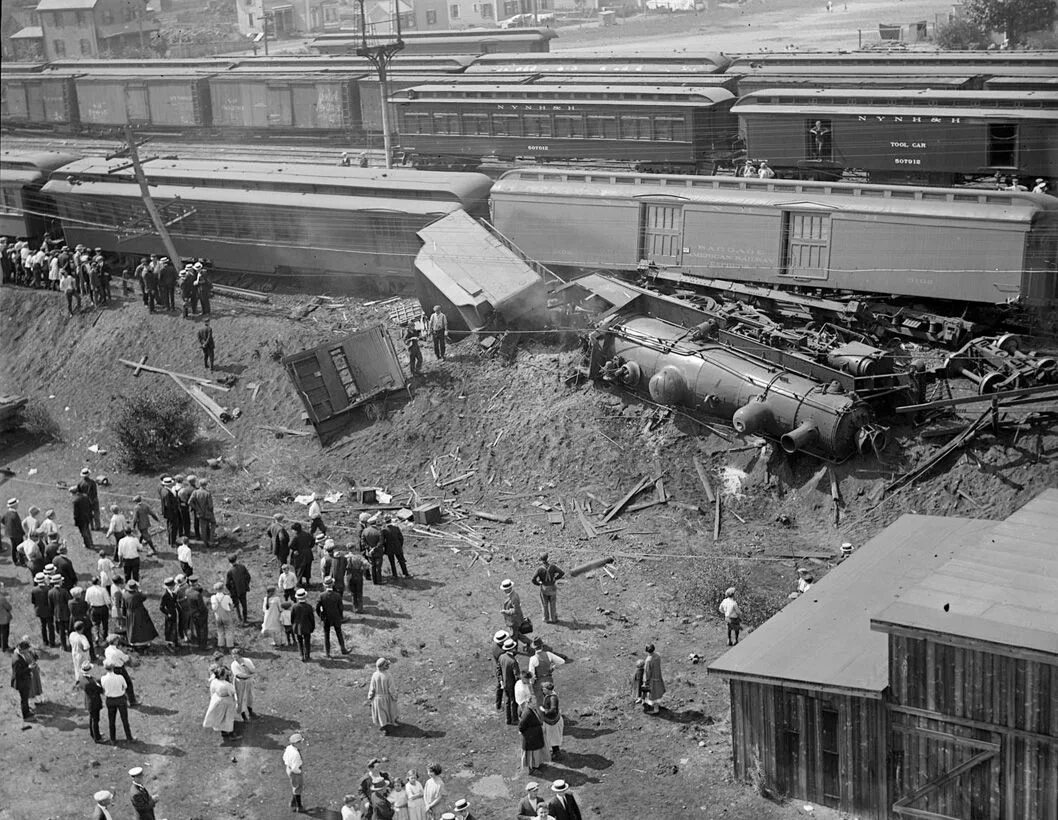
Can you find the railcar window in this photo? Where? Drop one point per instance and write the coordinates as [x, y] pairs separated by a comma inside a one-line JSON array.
[[601, 128], [635, 128], [506, 125], [669, 129], [569, 126], [475, 123], [446, 123], [1002, 144], [538, 125]]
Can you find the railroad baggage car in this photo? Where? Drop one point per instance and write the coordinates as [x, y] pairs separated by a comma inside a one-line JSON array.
[[280, 100], [935, 243], [23, 212], [928, 137], [672, 126], [354, 226], [177, 99]]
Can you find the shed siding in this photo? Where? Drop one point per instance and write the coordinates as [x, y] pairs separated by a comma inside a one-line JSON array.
[[784, 733]]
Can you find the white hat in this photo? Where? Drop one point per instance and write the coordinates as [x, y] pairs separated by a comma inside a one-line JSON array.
[[102, 795], [509, 644], [501, 636], [12, 502], [136, 771], [197, 266], [85, 471], [560, 786], [301, 594], [363, 516], [532, 786], [297, 737], [507, 584], [167, 481]]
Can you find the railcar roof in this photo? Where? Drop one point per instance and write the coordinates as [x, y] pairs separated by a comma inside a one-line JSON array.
[[545, 92], [827, 197], [901, 58], [601, 63], [998, 590], [302, 201], [231, 174], [1035, 105], [30, 166], [823, 639]]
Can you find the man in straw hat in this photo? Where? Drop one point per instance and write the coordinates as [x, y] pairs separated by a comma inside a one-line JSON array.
[[295, 764], [732, 616], [498, 640], [329, 608], [509, 674], [12, 529], [88, 486], [527, 808], [303, 623], [104, 799], [142, 802], [93, 700], [563, 806], [462, 809]]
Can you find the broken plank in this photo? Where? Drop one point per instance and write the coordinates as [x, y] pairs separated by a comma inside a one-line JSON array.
[[209, 411], [683, 505], [450, 481], [643, 505], [716, 519], [739, 517], [164, 372], [491, 517], [216, 409], [585, 524], [139, 367], [620, 505], [703, 478]]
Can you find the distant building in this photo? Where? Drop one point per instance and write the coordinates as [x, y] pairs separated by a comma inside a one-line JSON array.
[[94, 28], [20, 33], [918, 679], [288, 18]]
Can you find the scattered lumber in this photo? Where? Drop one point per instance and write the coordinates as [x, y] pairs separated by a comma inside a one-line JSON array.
[[450, 481], [703, 478], [282, 431], [241, 293], [196, 393], [643, 505], [964, 437], [716, 519], [683, 505], [200, 381], [500, 519], [589, 566], [620, 505], [139, 367], [585, 524]]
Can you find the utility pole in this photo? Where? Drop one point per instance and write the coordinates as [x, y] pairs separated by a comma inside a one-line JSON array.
[[380, 51], [131, 150]]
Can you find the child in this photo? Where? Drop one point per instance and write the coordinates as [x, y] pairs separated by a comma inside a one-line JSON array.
[[104, 569], [117, 525], [639, 691], [183, 555], [284, 621], [288, 582]]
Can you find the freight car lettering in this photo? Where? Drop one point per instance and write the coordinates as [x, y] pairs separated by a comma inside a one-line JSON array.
[[930, 120], [906, 145], [906, 161], [532, 107], [539, 147], [738, 256]]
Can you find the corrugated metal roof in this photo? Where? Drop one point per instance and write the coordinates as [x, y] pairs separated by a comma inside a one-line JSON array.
[[66, 5], [1003, 589], [823, 639]]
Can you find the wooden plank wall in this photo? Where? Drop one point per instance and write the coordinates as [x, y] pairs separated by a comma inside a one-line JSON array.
[[787, 731], [966, 692]]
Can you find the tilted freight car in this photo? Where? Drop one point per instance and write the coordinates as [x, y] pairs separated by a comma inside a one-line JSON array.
[[961, 245], [924, 137], [357, 227], [23, 212], [652, 126]]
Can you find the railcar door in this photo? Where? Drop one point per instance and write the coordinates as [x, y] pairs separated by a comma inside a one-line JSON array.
[[806, 244], [661, 233]]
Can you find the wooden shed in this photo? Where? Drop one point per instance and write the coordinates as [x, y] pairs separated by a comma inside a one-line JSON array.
[[919, 678]]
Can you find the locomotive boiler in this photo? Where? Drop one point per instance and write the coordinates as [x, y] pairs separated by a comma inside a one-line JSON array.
[[677, 367]]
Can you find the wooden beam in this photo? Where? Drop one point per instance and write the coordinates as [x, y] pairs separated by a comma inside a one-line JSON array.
[[716, 519], [203, 405], [139, 367], [620, 505], [943, 779], [703, 478], [184, 376]]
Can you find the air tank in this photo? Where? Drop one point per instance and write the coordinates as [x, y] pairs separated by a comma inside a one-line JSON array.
[[660, 358]]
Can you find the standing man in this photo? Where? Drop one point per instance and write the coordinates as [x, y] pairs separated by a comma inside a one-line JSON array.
[[546, 577], [170, 509], [510, 675], [238, 584], [183, 489], [14, 532], [201, 503], [301, 553], [167, 283], [498, 640], [653, 682], [294, 764], [512, 612], [303, 623], [199, 612], [206, 342], [129, 555], [41, 601], [23, 663], [279, 538], [222, 607], [93, 700], [355, 568], [82, 515], [98, 600], [542, 668], [151, 285], [203, 287], [411, 342], [115, 659], [316, 524], [88, 486], [563, 805], [438, 331], [59, 599], [171, 613], [142, 515], [374, 550], [115, 689], [329, 608], [393, 546], [732, 616], [820, 135], [242, 673], [64, 567], [103, 800], [141, 799]]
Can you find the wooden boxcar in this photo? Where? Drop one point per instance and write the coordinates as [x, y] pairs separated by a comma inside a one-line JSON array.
[[927, 137], [170, 100], [469, 41], [23, 212], [32, 96], [619, 66], [280, 100], [963, 245], [355, 227], [667, 126]]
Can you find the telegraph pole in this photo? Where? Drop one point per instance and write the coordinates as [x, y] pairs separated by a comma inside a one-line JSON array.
[[131, 150], [380, 53]]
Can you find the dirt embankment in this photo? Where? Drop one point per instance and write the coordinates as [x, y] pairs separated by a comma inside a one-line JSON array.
[[527, 440]]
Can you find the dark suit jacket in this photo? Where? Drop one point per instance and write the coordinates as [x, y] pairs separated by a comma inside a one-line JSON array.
[[142, 802], [64, 566], [41, 602], [302, 620], [238, 581], [509, 671], [329, 607], [59, 598], [381, 808], [527, 808], [82, 510], [569, 811]]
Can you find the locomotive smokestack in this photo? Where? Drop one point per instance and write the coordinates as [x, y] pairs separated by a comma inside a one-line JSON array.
[[797, 438]]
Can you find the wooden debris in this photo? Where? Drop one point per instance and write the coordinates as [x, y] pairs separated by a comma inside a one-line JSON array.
[[589, 566], [703, 478], [492, 517], [716, 519], [835, 493], [241, 293], [556, 517], [203, 382], [964, 437], [739, 517], [197, 394], [620, 505], [282, 431], [683, 505], [585, 524], [139, 367], [607, 571], [450, 481], [643, 505], [968, 498]]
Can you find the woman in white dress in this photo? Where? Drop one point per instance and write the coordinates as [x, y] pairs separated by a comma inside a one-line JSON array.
[[80, 650], [221, 712], [434, 792], [416, 802], [398, 798], [382, 696], [271, 625]]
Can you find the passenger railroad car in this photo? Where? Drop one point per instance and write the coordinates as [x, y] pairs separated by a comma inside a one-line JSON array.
[[352, 225], [465, 41], [669, 126], [566, 64], [931, 137], [961, 245], [23, 212], [944, 63]]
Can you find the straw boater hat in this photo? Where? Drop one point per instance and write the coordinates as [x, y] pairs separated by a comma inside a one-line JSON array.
[[509, 645], [85, 471], [560, 786], [12, 502], [500, 637], [462, 804], [507, 585], [135, 771], [297, 737], [301, 595], [102, 795], [532, 786], [730, 591]]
